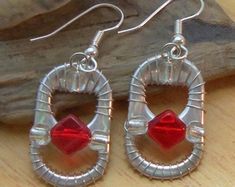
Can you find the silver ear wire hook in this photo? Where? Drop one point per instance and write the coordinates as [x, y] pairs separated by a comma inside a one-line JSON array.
[[99, 34], [81, 59], [178, 24], [147, 19]]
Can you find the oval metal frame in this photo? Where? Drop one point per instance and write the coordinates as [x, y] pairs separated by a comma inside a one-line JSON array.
[[65, 78], [158, 71]]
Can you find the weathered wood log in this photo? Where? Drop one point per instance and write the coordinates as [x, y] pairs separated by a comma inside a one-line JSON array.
[[15, 12], [211, 44]]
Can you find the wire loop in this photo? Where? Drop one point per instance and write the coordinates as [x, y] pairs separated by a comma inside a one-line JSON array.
[[83, 62], [174, 51]]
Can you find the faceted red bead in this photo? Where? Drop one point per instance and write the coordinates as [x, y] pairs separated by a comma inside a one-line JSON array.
[[167, 129], [70, 135]]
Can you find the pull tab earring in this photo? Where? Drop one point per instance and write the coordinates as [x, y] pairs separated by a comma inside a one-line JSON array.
[[70, 134], [170, 67]]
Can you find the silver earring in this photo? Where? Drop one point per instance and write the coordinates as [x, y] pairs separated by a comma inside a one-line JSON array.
[[170, 67], [69, 135]]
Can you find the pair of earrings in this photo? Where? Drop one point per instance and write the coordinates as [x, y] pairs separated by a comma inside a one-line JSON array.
[[81, 75]]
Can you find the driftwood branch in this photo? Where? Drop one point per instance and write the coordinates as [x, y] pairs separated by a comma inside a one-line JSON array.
[[16, 12], [211, 42]]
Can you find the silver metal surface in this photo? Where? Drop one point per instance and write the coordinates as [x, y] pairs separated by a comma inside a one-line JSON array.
[[67, 79], [161, 71]]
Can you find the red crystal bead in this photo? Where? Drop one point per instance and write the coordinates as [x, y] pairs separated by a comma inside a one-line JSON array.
[[70, 135], [167, 129]]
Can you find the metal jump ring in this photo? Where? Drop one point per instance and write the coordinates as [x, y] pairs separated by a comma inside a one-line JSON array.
[[73, 58], [183, 50], [174, 48], [85, 58], [92, 69]]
